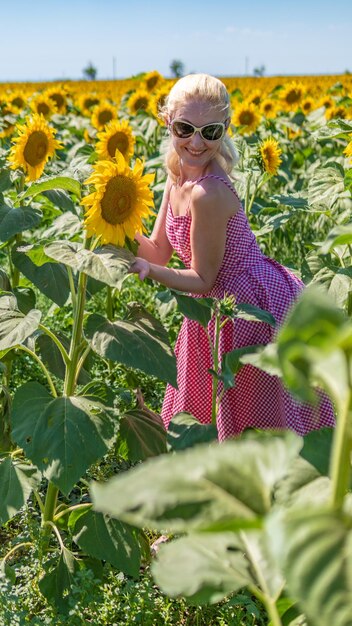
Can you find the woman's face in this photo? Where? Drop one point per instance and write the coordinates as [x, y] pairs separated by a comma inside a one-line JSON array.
[[194, 151]]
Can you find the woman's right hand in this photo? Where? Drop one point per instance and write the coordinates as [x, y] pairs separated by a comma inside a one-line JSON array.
[[141, 267]]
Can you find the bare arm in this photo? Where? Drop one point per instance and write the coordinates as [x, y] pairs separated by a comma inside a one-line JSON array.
[[210, 214], [157, 248]]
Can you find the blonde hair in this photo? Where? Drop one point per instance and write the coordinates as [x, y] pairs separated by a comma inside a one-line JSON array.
[[207, 89]]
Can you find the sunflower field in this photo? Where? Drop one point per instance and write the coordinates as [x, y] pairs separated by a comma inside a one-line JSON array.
[[259, 528]]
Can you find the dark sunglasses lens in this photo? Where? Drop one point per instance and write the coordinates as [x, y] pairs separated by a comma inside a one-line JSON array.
[[212, 132], [182, 129]]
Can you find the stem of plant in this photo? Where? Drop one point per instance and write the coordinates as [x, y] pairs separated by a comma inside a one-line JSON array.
[[340, 465], [215, 366]]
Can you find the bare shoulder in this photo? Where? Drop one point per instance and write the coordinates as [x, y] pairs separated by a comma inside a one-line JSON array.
[[211, 195]]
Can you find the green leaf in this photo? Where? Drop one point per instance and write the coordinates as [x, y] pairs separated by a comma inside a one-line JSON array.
[[339, 235], [253, 313], [141, 434], [310, 346], [51, 430], [66, 224], [295, 200], [61, 199], [26, 299], [325, 186], [198, 309], [203, 567], [17, 481], [108, 264], [139, 342], [16, 220], [231, 364], [16, 327], [109, 540], [314, 549], [50, 278], [52, 356], [7, 572], [5, 180], [185, 431], [56, 182], [218, 486], [57, 582], [316, 449]]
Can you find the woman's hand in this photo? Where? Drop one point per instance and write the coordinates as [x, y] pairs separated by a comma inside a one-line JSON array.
[[141, 267]]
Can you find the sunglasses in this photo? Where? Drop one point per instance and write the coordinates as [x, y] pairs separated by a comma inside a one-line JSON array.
[[208, 132]]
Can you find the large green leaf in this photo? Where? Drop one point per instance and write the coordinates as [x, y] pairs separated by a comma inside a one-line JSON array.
[[325, 186], [66, 224], [109, 540], [55, 182], [185, 431], [310, 346], [17, 481], [57, 582], [202, 567], [62, 436], [139, 342], [198, 309], [50, 278], [16, 220], [313, 546], [16, 327], [217, 486], [253, 313], [108, 264], [52, 356], [338, 236], [141, 435], [218, 564]]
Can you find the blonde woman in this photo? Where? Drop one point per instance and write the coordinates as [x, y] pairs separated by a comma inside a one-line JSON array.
[[202, 219]]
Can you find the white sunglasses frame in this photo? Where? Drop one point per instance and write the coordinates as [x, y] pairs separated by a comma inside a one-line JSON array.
[[198, 129]]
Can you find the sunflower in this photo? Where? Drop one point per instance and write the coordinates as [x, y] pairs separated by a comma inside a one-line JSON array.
[[43, 105], [121, 199], [291, 95], [348, 151], [307, 105], [102, 114], [269, 154], [116, 135], [268, 108], [246, 117], [59, 95], [8, 116], [17, 100], [86, 102], [138, 101], [336, 112], [158, 100], [152, 80], [33, 147], [255, 96]]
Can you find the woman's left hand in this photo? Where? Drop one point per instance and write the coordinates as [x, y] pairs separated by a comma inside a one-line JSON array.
[[141, 267]]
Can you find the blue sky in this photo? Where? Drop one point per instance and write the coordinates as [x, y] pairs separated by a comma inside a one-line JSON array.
[[55, 39]]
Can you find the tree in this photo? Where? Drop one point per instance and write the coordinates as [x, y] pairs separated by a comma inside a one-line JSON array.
[[259, 71], [177, 68], [90, 72]]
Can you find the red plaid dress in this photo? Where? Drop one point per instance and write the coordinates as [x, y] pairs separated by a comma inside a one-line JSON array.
[[258, 400]]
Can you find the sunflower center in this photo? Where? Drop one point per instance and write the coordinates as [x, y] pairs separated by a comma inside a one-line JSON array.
[[293, 96], [18, 102], [141, 103], [246, 118], [119, 200], [36, 148], [104, 117], [58, 99], [90, 102], [43, 108], [118, 141], [152, 81]]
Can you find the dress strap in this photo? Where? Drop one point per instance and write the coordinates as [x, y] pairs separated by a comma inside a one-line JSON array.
[[223, 180]]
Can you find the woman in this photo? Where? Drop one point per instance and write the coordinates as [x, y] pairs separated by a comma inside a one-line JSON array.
[[202, 219]]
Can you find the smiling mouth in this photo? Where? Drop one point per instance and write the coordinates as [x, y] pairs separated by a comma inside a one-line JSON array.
[[195, 152]]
